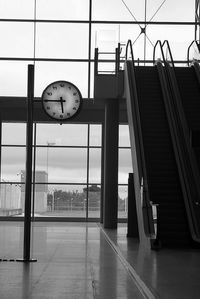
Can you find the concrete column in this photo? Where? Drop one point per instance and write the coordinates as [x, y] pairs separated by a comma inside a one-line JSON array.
[[111, 132]]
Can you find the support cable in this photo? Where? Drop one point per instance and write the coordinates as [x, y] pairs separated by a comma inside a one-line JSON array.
[[157, 10], [131, 13]]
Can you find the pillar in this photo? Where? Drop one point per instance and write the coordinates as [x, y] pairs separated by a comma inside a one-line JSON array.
[[111, 132]]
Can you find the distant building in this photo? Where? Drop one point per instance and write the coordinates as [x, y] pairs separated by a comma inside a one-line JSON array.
[[10, 199]]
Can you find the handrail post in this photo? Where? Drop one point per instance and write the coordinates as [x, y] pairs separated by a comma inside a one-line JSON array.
[[117, 59], [96, 54]]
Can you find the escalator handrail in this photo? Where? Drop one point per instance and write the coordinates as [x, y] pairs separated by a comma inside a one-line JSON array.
[[170, 53], [158, 43], [164, 59], [142, 173], [196, 67], [149, 230], [188, 51], [129, 45]]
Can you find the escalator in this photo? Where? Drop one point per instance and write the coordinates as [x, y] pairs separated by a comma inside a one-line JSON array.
[[189, 88], [164, 185], [190, 95]]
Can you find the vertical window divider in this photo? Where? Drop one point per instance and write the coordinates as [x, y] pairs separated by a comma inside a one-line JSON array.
[[34, 160], [0, 145], [89, 46], [88, 169], [102, 171]]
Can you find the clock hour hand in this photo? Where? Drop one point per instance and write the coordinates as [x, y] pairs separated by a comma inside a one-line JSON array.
[[61, 102]]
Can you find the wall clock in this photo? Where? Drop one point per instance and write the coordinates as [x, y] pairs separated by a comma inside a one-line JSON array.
[[61, 100]]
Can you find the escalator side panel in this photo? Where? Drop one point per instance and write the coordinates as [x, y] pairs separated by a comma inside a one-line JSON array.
[[162, 174]]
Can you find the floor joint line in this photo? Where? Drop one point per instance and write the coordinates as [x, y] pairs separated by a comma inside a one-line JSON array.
[[142, 287]]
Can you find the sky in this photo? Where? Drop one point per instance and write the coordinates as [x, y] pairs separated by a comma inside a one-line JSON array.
[[70, 41]]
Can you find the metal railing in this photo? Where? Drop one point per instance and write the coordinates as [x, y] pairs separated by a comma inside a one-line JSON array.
[[115, 61]]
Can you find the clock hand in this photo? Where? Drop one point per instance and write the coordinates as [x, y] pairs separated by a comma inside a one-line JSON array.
[[57, 101], [61, 102]]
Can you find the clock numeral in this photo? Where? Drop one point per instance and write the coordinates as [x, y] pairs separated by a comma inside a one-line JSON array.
[[61, 116], [55, 87], [76, 101], [68, 114], [74, 108], [48, 108], [62, 84], [75, 93], [54, 113], [49, 93], [69, 87]]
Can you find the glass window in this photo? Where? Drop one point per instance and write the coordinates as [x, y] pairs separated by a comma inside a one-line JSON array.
[[13, 78], [14, 133], [105, 37], [124, 139], [95, 166], [116, 10], [10, 198], [62, 40], [60, 201], [94, 197], [179, 38], [171, 10], [48, 72], [16, 39], [132, 10], [125, 165], [62, 135], [95, 135], [107, 67], [16, 9], [63, 10], [133, 32], [62, 164], [122, 201], [12, 163]]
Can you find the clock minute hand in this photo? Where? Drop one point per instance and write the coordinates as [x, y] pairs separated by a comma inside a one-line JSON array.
[[57, 101]]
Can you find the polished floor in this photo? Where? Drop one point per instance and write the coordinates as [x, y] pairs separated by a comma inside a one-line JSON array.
[[79, 260]]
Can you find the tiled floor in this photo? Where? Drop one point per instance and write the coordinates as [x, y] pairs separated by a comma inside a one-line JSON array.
[[168, 273], [73, 261], [79, 260]]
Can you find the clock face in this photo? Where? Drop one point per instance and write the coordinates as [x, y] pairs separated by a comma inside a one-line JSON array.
[[61, 100]]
